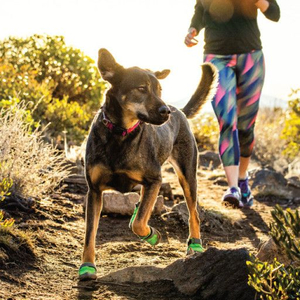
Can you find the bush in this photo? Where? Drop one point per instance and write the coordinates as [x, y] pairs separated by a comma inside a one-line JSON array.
[[291, 131], [33, 167], [268, 143], [206, 130], [275, 280], [43, 71]]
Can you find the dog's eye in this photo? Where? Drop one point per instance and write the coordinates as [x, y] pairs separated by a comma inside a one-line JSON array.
[[142, 89]]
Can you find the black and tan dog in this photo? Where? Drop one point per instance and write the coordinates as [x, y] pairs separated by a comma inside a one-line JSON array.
[[133, 134]]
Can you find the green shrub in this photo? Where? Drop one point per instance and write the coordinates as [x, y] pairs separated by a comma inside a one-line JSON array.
[[206, 130], [275, 280], [42, 70], [291, 131]]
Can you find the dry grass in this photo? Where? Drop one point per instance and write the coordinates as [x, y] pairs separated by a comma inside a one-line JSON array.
[[34, 167], [268, 142]]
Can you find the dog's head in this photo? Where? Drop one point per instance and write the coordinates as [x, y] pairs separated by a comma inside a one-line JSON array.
[[137, 91]]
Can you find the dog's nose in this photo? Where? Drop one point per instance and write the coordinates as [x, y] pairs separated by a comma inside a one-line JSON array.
[[164, 110]]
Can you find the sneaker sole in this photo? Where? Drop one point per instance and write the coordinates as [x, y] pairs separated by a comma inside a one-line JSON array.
[[232, 201]]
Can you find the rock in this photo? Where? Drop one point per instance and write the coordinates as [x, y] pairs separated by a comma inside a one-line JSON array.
[[281, 165], [182, 212], [269, 250], [266, 177], [212, 275], [159, 206], [124, 204], [294, 182], [220, 181], [209, 159], [166, 191], [294, 168]]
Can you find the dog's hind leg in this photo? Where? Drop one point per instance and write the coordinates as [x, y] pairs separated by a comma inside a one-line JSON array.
[[92, 216], [140, 223]]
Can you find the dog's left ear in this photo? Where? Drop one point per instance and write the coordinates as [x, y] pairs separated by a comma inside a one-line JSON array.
[[109, 69], [162, 74]]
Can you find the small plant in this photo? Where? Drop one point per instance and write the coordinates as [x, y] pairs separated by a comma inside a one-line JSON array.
[[275, 281], [7, 222], [291, 131], [5, 185], [30, 167]]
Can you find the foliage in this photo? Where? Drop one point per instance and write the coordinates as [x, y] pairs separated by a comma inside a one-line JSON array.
[[206, 130], [274, 280], [33, 167], [42, 70], [291, 131], [7, 222], [286, 231], [5, 185], [268, 143]]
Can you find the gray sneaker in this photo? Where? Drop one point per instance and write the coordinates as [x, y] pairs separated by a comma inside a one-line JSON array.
[[232, 197]]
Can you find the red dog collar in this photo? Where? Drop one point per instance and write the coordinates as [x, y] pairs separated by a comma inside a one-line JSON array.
[[116, 129]]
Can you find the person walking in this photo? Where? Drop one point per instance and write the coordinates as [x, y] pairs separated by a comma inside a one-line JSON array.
[[233, 45]]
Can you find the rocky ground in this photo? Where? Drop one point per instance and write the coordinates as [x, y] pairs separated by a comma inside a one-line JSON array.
[[45, 265]]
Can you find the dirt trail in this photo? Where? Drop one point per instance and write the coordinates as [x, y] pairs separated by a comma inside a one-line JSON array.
[[58, 229]]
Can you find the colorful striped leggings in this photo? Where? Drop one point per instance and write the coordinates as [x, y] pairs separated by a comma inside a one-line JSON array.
[[241, 78]]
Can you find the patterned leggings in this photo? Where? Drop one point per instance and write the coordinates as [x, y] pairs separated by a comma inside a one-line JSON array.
[[241, 78]]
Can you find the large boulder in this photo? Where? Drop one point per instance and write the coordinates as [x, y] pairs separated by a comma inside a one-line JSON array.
[[212, 275], [267, 177], [124, 204]]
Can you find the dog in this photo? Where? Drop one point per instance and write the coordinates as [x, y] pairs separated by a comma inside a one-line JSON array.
[[131, 136]]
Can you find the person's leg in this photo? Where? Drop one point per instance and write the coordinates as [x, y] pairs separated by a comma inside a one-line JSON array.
[[250, 79], [243, 168], [225, 108]]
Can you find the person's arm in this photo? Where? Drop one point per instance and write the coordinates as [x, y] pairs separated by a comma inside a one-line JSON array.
[[269, 8], [195, 26], [197, 20]]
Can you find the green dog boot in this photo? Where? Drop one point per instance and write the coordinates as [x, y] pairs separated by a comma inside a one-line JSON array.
[[194, 246], [153, 238], [134, 214], [87, 271]]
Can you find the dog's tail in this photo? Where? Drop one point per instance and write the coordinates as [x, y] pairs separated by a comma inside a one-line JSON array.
[[204, 92]]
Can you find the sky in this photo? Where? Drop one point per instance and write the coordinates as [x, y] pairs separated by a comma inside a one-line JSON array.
[[150, 34]]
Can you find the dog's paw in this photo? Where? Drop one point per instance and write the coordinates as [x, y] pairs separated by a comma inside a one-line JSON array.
[[194, 246], [87, 271], [153, 238]]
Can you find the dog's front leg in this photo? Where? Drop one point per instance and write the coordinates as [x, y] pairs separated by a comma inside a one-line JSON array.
[[92, 216], [140, 223]]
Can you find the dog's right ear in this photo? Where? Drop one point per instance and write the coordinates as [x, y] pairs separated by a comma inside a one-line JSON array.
[[109, 69]]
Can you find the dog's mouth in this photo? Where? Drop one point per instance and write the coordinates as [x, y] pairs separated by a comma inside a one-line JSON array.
[[155, 120]]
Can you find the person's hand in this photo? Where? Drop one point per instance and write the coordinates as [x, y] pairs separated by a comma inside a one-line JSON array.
[[262, 5], [190, 40]]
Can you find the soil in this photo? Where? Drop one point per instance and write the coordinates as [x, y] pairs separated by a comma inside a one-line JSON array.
[[48, 269]]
